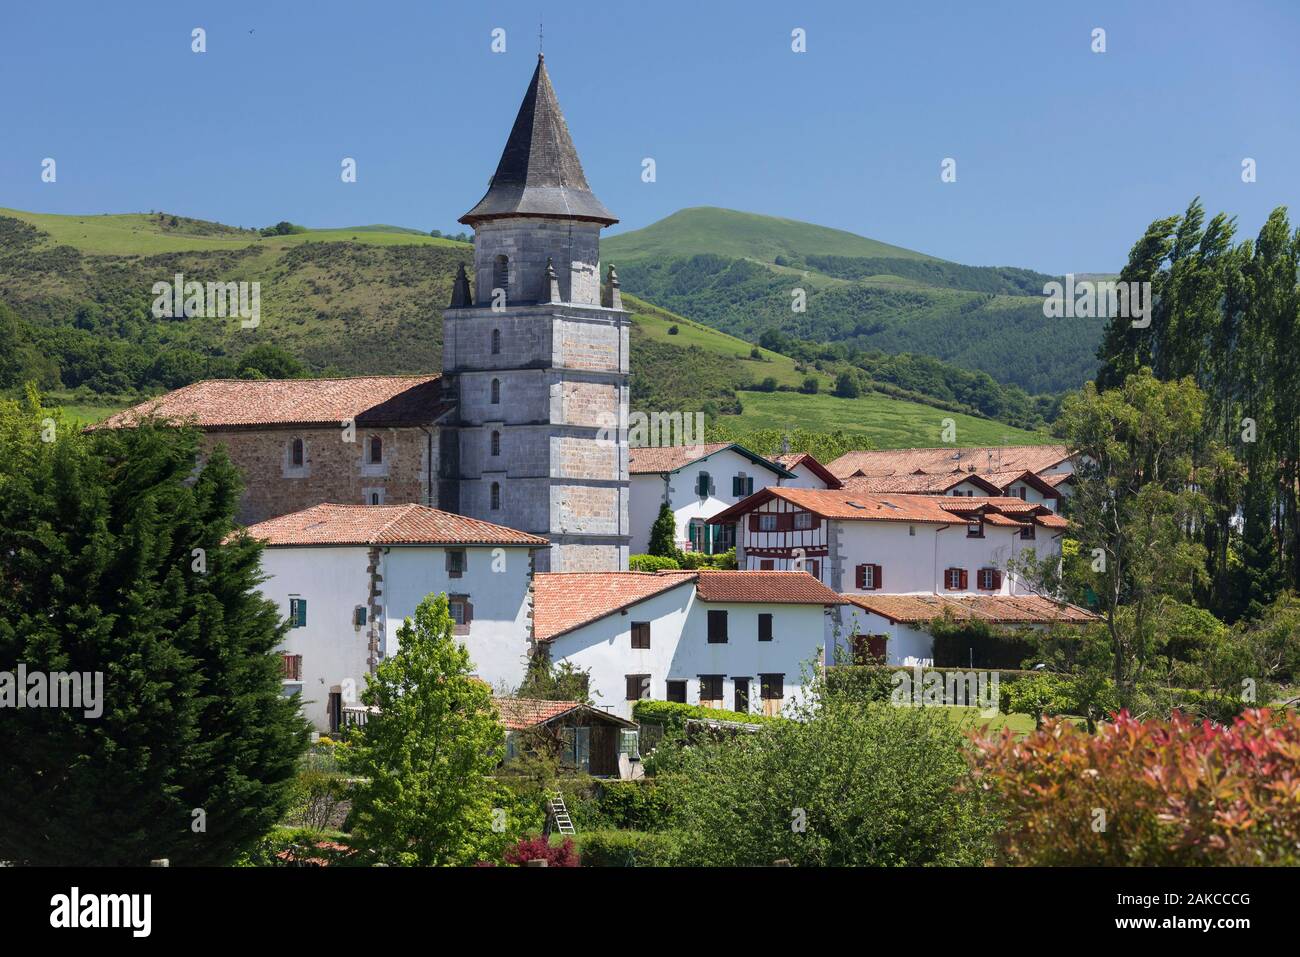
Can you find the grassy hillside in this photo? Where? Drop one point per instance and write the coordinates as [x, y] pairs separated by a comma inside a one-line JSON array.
[[77, 291], [736, 235], [738, 272]]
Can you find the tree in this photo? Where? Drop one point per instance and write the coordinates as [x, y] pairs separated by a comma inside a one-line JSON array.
[[1141, 467], [663, 533], [548, 682], [811, 385], [116, 563], [270, 361], [846, 385], [427, 752]]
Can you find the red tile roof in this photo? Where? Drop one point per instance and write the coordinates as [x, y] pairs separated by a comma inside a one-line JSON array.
[[384, 525], [784, 587], [670, 458], [562, 601], [218, 404], [519, 714], [791, 459], [1032, 458], [846, 504], [1005, 609], [918, 484]]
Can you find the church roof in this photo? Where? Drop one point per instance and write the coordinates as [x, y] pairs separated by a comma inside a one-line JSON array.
[[539, 173], [225, 404]]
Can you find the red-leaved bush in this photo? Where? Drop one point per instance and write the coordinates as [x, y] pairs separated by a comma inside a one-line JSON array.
[[1156, 792], [564, 854]]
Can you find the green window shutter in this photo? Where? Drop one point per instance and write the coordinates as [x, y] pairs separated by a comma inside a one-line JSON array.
[[298, 612], [737, 486], [749, 485]]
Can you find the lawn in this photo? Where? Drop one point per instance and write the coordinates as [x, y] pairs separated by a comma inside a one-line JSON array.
[[888, 423]]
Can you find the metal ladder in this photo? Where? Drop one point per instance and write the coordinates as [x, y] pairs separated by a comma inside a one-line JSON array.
[[563, 823]]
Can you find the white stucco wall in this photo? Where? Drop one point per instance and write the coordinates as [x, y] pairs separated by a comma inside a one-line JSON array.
[[680, 650]]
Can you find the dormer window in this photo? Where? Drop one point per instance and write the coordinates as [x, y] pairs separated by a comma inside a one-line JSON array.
[[1027, 531], [975, 528]]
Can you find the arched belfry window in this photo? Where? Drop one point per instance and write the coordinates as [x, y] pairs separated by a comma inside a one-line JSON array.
[[496, 342], [296, 452], [501, 273], [376, 450], [496, 496], [496, 442], [496, 391]]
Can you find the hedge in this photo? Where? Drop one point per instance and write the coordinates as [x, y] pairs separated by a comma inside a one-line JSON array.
[[639, 805], [674, 715], [651, 563], [876, 682], [628, 848]]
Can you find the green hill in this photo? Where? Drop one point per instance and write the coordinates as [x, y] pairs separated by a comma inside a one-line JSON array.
[[76, 292], [726, 232], [739, 272]]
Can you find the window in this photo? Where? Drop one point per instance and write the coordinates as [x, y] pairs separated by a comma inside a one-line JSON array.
[[376, 450], [496, 391], [724, 537], [359, 616], [462, 613], [1027, 531], [813, 566], [911, 530], [455, 562], [742, 485], [765, 626], [496, 442], [711, 691], [496, 496], [803, 521], [766, 565], [975, 528], [638, 687], [869, 578], [772, 690], [496, 342], [989, 579], [372, 496], [741, 686], [1021, 492], [297, 612], [698, 533], [767, 522], [954, 579], [641, 634], [677, 691], [703, 483], [292, 667], [717, 627], [296, 453], [500, 274]]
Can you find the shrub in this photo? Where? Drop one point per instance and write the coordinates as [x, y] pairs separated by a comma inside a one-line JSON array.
[[673, 330], [980, 644], [672, 715], [663, 533], [876, 682], [318, 798], [629, 849], [851, 785], [811, 385], [1049, 695], [651, 563], [564, 854], [635, 805], [1149, 793]]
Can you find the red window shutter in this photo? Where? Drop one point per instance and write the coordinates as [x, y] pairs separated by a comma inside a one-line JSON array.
[[862, 576], [879, 581], [753, 521], [964, 581], [785, 522], [997, 580]]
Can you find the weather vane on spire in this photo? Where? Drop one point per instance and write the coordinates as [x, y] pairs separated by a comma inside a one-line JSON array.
[[539, 35]]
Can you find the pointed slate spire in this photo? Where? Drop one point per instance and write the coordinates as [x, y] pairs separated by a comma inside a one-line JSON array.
[[460, 294], [540, 173]]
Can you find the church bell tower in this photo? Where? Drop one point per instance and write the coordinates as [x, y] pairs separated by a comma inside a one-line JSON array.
[[535, 355]]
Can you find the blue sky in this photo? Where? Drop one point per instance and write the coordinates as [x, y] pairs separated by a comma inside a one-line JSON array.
[[1063, 155]]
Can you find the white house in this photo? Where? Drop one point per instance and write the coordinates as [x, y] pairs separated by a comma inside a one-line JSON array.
[[347, 575], [927, 545], [699, 481], [733, 640]]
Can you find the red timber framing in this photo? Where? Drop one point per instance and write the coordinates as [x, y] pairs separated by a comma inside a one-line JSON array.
[[777, 537]]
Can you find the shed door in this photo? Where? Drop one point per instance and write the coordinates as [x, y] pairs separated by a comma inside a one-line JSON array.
[[604, 749]]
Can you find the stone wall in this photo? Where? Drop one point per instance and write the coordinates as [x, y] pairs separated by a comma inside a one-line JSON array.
[[333, 470]]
